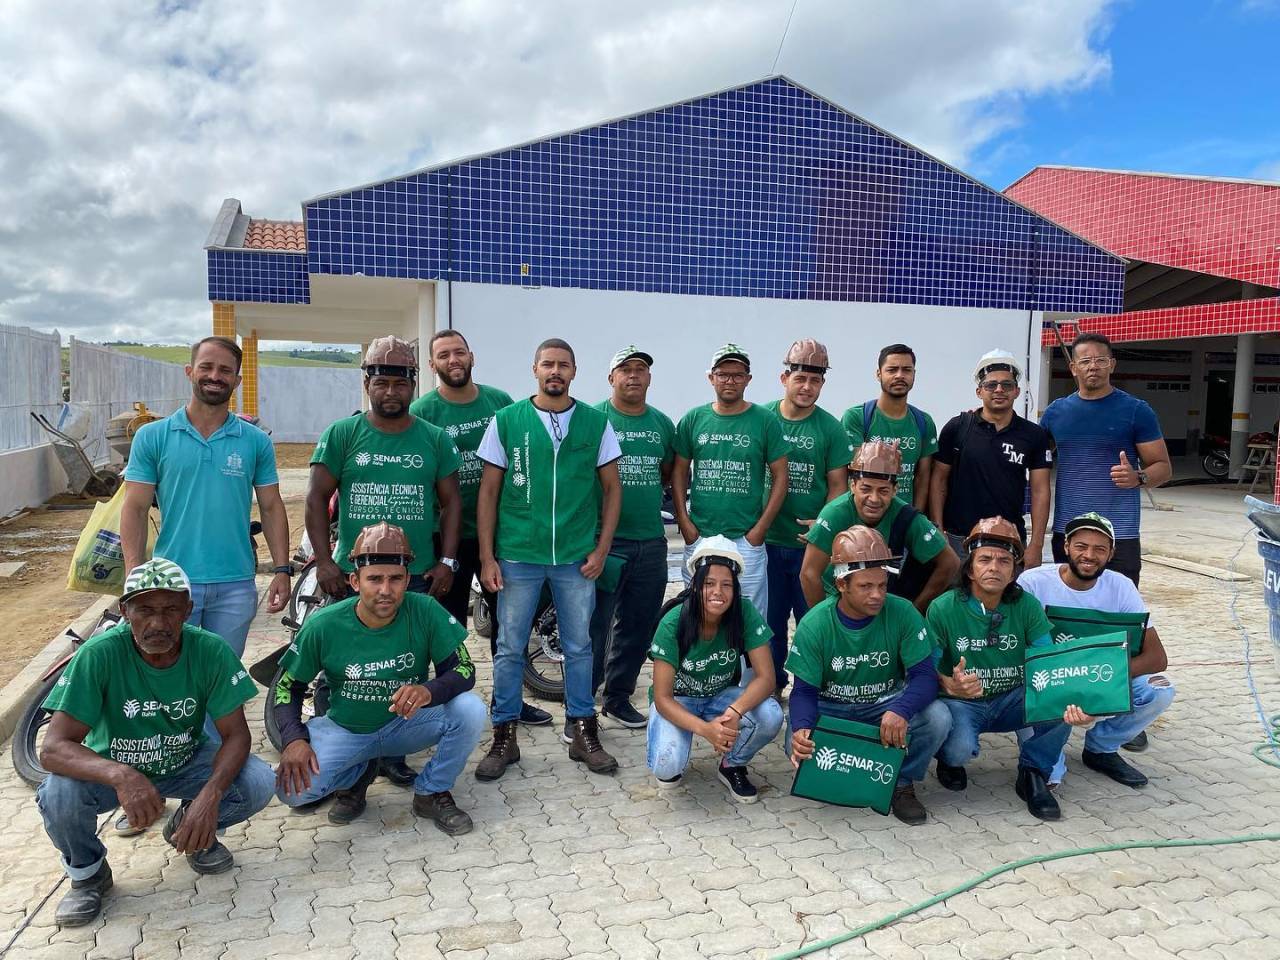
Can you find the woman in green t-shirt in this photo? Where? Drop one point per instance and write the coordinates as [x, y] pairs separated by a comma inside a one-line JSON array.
[[698, 683]]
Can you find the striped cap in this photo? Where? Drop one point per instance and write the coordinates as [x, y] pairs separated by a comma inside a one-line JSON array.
[[156, 574]]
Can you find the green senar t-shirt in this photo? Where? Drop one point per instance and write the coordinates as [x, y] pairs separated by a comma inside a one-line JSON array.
[[859, 666], [386, 476], [364, 667], [647, 443], [996, 655], [924, 541], [708, 667], [144, 717], [465, 423], [819, 445], [731, 457], [913, 446]]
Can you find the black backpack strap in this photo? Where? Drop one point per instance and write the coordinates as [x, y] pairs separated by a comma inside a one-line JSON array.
[[898, 530], [868, 412]]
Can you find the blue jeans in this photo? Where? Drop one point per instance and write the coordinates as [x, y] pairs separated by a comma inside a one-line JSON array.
[[1152, 694], [575, 600], [785, 600], [624, 619], [226, 609], [454, 729], [926, 731], [70, 807], [753, 580], [669, 745], [1002, 714]]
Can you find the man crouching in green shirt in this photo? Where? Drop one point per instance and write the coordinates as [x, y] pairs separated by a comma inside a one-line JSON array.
[[374, 650], [128, 729]]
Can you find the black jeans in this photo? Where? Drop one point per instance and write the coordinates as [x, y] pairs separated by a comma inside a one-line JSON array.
[[624, 619], [1127, 558], [458, 599]]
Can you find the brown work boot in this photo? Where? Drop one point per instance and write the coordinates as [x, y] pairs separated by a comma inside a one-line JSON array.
[[906, 806], [586, 748], [350, 803], [502, 753]]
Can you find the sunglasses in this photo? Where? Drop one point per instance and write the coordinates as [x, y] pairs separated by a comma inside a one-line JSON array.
[[996, 386]]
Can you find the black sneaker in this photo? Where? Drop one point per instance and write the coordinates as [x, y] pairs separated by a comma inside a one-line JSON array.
[[1112, 766], [440, 808], [124, 828], [953, 778], [397, 771], [624, 713], [214, 858], [350, 803], [532, 716], [83, 901], [670, 784], [735, 780]]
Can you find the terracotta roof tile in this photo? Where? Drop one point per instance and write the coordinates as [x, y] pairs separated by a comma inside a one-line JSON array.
[[275, 235]]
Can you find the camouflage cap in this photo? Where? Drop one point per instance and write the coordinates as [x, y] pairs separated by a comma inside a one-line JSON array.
[[1091, 521], [629, 352], [155, 574], [730, 351]]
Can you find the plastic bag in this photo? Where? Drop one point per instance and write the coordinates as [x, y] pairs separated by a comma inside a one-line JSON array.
[[98, 563]]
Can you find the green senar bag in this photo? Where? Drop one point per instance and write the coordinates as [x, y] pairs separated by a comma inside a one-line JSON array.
[[1072, 622], [1091, 672], [849, 766]]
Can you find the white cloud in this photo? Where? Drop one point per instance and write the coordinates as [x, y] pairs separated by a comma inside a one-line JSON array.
[[122, 128]]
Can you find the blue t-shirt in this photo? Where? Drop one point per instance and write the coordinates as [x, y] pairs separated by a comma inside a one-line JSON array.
[[204, 488], [1089, 435]]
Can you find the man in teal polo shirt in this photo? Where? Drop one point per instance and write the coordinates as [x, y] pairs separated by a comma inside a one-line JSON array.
[[547, 512], [203, 464]]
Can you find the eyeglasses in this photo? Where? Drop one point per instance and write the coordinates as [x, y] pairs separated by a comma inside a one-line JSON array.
[[556, 429], [731, 377], [995, 386], [1089, 363]]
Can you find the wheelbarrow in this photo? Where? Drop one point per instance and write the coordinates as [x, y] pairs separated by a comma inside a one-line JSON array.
[[82, 477]]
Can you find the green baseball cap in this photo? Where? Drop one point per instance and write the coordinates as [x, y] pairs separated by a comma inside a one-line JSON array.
[[156, 574], [1090, 521], [629, 352], [730, 351]]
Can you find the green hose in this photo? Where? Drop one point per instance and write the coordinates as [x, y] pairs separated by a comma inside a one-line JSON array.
[[1014, 865]]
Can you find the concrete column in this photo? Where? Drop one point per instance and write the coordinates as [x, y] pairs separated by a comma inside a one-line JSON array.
[[1195, 400], [426, 326], [1044, 381], [1242, 400], [224, 325], [364, 395], [249, 373]]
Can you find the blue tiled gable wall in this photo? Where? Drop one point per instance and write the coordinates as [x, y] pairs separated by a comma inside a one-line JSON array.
[[764, 191], [255, 276]]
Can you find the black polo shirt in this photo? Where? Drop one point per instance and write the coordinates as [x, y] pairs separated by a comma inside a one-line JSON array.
[[989, 469]]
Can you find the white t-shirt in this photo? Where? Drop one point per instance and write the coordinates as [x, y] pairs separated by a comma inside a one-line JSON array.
[[1111, 593], [491, 451]]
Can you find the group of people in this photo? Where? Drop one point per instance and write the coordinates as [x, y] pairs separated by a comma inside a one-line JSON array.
[[902, 556]]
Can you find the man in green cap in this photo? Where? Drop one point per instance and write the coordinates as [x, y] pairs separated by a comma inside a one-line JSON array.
[[627, 611], [727, 452], [128, 730]]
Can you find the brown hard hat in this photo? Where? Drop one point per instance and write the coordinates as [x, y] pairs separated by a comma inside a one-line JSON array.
[[390, 352], [858, 548], [808, 353], [994, 532], [877, 458], [381, 543]]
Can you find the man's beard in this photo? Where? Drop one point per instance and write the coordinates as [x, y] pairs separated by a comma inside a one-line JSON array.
[[214, 394], [382, 411], [1085, 576], [455, 378]]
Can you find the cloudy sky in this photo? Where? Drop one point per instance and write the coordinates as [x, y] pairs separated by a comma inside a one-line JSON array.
[[124, 124]]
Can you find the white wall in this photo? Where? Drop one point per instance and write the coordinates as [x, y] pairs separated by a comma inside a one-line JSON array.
[[30, 379], [108, 382], [297, 403], [504, 325]]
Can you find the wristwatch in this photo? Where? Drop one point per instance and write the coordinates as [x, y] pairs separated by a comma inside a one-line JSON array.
[[1142, 478], [284, 568], [451, 563]]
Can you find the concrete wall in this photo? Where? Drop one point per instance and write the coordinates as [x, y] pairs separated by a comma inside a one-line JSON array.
[[297, 403], [31, 477], [504, 324]]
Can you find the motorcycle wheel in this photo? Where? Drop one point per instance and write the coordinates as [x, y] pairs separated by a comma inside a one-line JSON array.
[[481, 615], [307, 585], [544, 660], [28, 734], [1216, 465]]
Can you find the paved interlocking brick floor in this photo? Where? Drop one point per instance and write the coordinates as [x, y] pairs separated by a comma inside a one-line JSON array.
[[566, 864]]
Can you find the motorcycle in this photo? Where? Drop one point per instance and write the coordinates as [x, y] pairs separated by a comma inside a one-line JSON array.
[[544, 657], [1217, 457]]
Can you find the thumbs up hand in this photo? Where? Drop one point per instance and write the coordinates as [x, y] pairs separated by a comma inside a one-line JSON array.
[[962, 683], [1123, 475]]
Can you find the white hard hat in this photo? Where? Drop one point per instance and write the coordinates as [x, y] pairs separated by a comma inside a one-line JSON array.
[[715, 548], [997, 358]]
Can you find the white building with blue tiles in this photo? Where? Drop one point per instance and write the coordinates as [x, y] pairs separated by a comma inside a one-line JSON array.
[[758, 214]]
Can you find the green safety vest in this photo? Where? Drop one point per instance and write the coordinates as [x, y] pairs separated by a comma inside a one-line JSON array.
[[550, 501]]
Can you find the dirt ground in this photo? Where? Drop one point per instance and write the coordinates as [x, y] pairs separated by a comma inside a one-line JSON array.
[[35, 604]]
